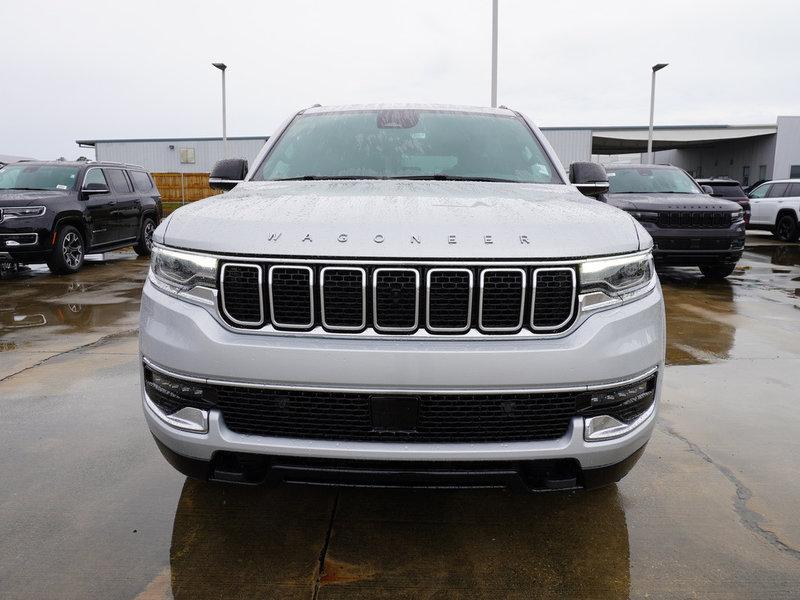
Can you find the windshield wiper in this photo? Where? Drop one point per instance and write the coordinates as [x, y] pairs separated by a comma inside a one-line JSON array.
[[443, 177], [27, 189], [325, 177]]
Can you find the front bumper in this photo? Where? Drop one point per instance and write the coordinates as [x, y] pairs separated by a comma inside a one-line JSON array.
[[694, 247], [610, 346], [25, 244]]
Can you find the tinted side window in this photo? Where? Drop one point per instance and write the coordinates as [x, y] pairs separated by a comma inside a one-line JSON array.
[[794, 190], [141, 181], [760, 191], [119, 183], [94, 176], [777, 190]]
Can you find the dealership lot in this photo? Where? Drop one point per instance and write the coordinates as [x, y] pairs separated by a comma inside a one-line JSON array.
[[89, 507]]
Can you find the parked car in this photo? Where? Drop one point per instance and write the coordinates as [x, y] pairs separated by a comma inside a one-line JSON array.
[[775, 207], [728, 189], [689, 227], [400, 295], [57, 212]]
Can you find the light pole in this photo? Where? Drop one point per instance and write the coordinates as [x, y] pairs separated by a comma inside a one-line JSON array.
[[656, 68], [494, 53], [222, 67]]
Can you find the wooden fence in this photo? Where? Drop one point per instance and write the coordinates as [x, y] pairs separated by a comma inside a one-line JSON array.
[[178, 189]]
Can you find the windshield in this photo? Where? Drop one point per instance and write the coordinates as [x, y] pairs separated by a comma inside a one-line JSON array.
[[727, 190], [408, 144], [38, 177], [643, 180]]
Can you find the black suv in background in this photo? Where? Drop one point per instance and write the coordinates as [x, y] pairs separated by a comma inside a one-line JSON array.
[[689, 227], [728, 189], [57, 212]]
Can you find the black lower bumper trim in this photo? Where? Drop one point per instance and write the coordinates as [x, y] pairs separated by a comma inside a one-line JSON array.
[[534, 476]]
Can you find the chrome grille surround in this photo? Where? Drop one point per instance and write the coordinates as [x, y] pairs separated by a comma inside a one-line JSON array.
[[534, 280], [310, 272], [394, 329], [260, 271], [482, 295], [434, 271], [416, 273], [325, 324]]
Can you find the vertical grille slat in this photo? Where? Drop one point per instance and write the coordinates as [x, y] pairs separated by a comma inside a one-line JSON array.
[[242, 293], [291, 297], [553, 296], [502, 298], [449, 300], [395, 299], [343, 298]]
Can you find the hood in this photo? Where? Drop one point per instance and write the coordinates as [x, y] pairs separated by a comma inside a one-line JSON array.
[[29, 197], [402, 219], [670, 202]]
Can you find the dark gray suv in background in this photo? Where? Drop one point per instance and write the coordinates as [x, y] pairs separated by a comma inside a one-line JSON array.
[[57, 212], [689, 227]]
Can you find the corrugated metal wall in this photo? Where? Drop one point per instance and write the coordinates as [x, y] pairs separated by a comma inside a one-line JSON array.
[[571, 145], [156, 155]]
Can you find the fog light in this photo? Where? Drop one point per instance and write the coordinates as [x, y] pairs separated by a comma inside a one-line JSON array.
[[187, 419], [180, 403], [612, 412], [606, 427]]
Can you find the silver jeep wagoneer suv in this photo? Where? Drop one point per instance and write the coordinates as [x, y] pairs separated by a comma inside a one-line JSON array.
[[403, 295]]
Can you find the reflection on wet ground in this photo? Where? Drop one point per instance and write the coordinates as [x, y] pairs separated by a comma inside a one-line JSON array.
[[89, 509], [266, 542], [705, 318]]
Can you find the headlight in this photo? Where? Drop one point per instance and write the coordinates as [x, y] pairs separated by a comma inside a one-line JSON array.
[[175, 271], [21, 212], [611, 280], [737, 215]]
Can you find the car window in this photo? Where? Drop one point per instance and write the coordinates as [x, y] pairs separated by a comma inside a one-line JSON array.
[[141, 181], [94, 176], [794, 190], [408, 144], [644, 180], [33, 176], [727, 190], [760, 191], [119, 183], [777, 190]]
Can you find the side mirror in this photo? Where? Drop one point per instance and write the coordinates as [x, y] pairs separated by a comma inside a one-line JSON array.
[[95, 188], [707, 189], [590, 178], [227, 173]]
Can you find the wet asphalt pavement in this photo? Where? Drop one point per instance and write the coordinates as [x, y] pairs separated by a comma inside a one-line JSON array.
[[89, 508]]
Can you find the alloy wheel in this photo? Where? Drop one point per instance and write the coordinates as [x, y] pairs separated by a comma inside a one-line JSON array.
[[72, 250], [149, 227]]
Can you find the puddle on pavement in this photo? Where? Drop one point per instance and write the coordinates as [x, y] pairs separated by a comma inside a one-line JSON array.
[[35, 306], [702, 314]]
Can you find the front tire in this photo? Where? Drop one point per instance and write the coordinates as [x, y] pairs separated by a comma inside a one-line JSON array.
[[786, 228], [717, 271], [145, 244], [68, 252]]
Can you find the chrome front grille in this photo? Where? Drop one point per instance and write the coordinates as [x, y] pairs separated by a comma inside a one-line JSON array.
[[398, 299]]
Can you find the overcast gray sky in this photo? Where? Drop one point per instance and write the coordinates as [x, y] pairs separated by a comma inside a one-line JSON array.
[[86, 69]]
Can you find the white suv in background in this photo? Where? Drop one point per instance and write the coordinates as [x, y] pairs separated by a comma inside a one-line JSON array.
[[775, 207]]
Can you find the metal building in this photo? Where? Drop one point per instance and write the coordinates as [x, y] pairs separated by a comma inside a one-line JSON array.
[[747, 153], [175, 155]]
